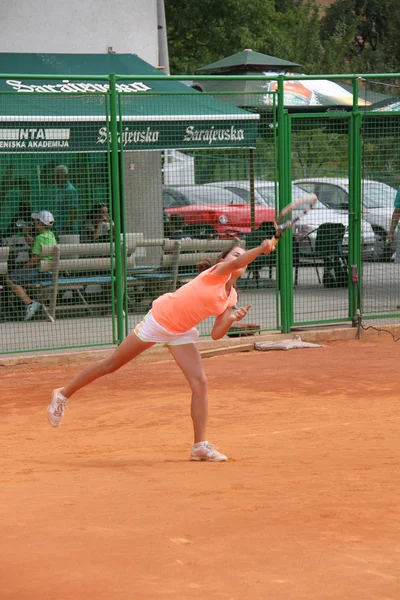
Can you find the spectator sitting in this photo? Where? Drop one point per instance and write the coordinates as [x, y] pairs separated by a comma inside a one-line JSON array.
[[97, 227], [29, 274]]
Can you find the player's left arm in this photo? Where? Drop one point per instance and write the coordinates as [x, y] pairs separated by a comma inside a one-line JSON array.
[[223, 322]]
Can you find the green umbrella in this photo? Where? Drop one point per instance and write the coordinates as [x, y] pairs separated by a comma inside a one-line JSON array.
[[249, 61]]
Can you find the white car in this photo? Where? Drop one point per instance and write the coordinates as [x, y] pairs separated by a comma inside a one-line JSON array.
[[378, 203], [306, 230]]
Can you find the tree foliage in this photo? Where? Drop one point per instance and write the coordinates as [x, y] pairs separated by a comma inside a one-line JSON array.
[[368, 30], [352, 35], [203, 32]]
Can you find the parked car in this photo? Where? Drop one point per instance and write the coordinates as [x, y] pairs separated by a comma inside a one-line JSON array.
[[378, 203], [306, 229], [210, 211], [264, 191]]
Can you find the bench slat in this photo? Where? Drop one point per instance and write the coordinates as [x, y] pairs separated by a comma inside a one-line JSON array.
[[4, 252], [209, 245], [79, 250], [84, 264]]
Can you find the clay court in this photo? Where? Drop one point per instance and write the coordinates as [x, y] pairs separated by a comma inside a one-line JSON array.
[[108, 506]]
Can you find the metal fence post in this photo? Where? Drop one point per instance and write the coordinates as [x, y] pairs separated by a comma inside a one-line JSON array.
[[285, 258], [116, 207], [355, 199]]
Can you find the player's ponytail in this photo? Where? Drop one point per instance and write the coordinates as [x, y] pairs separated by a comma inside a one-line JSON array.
[[203, 265]]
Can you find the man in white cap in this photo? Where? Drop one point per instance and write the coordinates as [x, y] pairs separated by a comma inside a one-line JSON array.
[[29, 274]]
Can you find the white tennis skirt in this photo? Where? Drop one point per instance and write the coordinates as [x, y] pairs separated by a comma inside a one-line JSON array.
[[149, 330]]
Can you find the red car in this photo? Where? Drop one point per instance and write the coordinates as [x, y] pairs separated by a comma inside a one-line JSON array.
[[208, 211]]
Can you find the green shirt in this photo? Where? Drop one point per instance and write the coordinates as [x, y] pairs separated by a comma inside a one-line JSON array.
[[46, 238]]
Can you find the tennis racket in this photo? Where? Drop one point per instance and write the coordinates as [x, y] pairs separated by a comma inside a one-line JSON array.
[[292, 213]]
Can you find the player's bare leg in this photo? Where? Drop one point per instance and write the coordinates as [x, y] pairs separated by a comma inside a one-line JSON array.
[[130, 348], [188, 358]]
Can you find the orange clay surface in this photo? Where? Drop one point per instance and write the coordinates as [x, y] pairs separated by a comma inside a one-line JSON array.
[[108, 507]]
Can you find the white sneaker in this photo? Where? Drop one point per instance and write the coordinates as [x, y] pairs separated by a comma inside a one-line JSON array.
[[56, 408], [31, 310], [207, 452]]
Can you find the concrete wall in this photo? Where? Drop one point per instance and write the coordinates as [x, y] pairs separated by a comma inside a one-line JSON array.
[[91, 27], [143, 198], [80, 26]]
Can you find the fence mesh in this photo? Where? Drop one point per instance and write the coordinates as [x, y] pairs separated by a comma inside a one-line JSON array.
[[380, 296], [206, 205], [54, 189], [94, 226], [320, 166]]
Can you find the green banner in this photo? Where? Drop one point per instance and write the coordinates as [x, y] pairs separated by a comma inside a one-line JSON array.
[[72, 136]]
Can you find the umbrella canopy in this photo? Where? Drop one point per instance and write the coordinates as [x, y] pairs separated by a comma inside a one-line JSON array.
[[249, 61], [71, 114], [389, 104]]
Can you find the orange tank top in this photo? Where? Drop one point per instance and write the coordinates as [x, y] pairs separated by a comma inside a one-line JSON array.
[[203, 297]]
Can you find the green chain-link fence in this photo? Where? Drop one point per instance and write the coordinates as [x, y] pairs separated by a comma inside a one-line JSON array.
[[108, 199]]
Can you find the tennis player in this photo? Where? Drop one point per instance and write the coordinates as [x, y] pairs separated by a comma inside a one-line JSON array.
[[172, 321]]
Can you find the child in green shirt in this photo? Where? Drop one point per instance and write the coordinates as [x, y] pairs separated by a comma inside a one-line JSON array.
[[43, 222]]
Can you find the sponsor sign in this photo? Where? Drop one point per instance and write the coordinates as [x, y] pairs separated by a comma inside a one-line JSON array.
[[213, 134], [309, 92], [71, 87], [155, 135], [34, 138], [130, 137]]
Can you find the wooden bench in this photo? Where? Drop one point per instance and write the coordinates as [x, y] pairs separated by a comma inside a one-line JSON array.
[[75, 267], [176, 264], [4, 254], [154, 275]]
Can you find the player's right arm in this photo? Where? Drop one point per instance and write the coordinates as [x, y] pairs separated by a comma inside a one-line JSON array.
[[244, 258]]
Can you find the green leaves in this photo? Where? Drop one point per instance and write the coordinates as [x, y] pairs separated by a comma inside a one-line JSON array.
[[352, 36]]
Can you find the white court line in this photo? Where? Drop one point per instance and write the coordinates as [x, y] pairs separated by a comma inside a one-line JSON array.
[[335, 425], [371, 571], [383, 575]]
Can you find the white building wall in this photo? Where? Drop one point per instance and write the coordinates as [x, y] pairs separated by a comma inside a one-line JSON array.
[[91, 27], [80, 26]]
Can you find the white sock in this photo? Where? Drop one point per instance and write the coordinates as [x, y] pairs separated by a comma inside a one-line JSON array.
[[198, 444], [61, 397]]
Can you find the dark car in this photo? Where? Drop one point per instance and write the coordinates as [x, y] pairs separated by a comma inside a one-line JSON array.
[[206, 211]]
